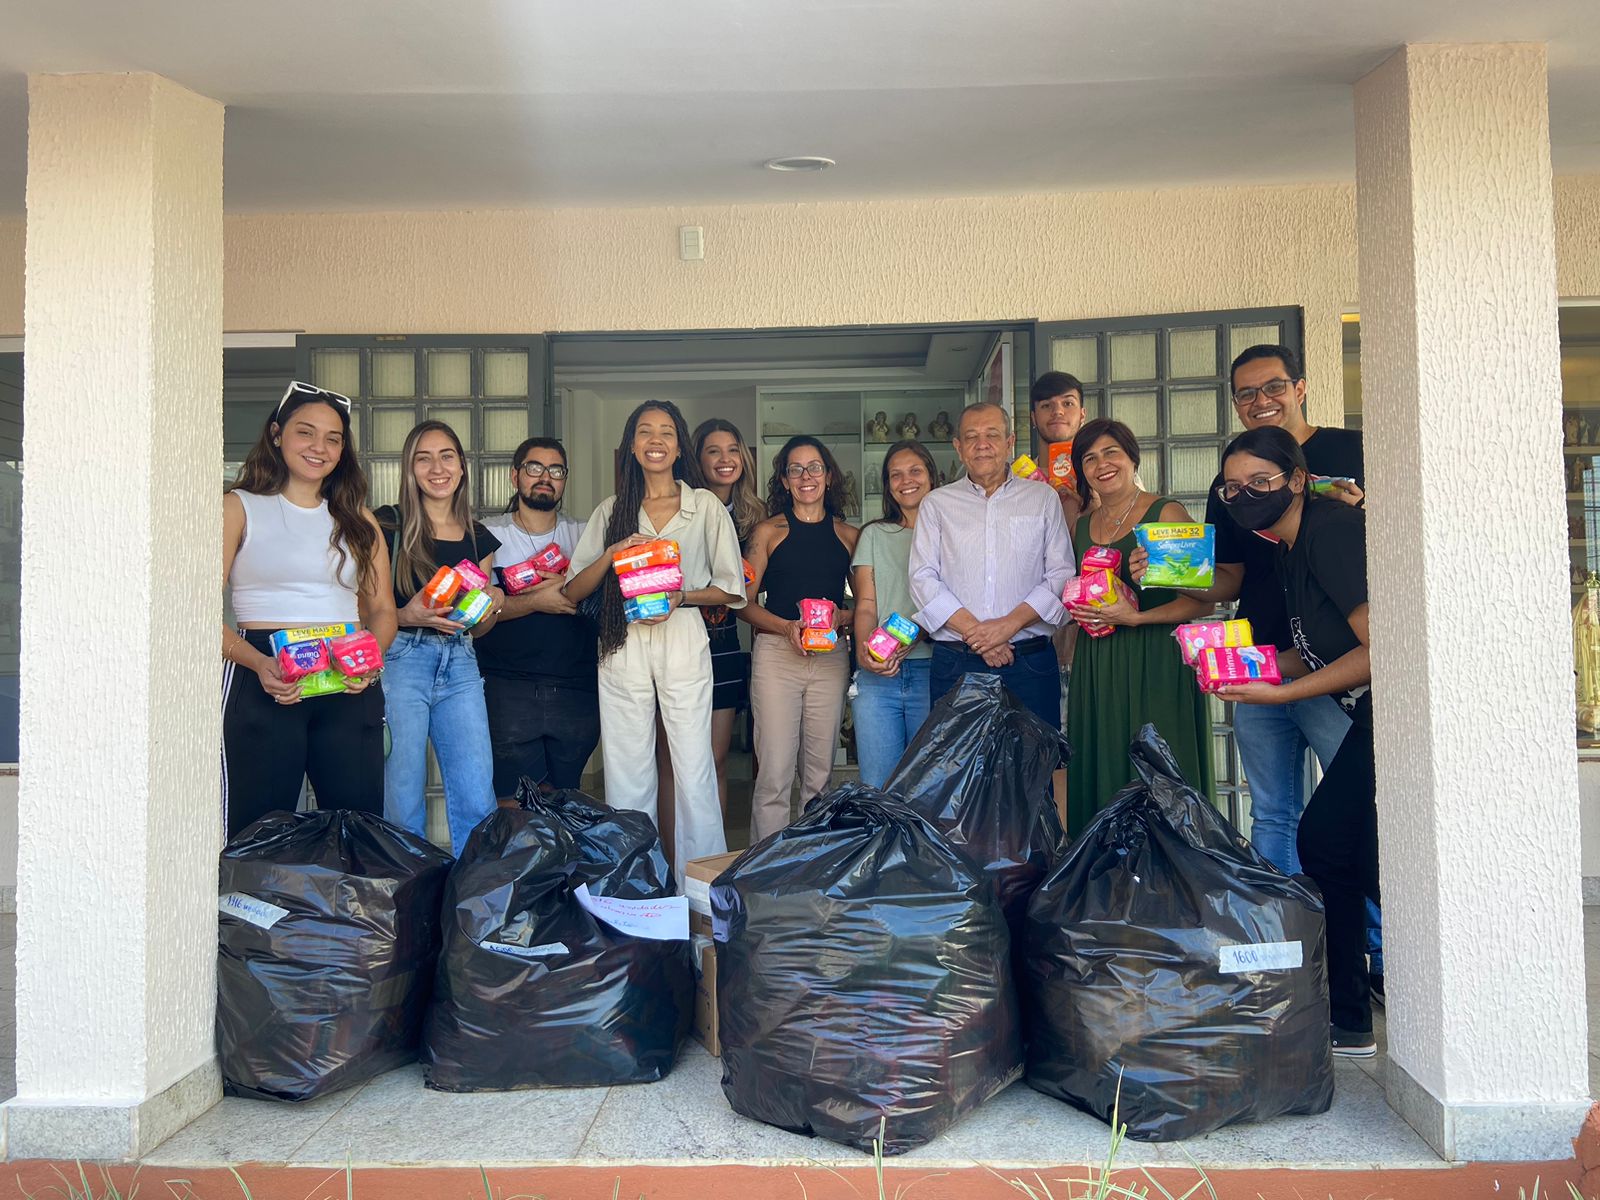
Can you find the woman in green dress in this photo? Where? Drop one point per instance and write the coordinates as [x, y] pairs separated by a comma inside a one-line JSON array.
[[1136, 674]]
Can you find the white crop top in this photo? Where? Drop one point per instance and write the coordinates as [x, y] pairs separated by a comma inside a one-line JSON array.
[[285, 571]]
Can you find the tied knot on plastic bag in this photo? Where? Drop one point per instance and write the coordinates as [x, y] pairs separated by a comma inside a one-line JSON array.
[[1164, 952], [863, 976]]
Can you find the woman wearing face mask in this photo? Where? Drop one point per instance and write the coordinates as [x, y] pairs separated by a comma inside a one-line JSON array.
[[891, 697], [801, 552], [299, 548], [433, 687], [660, 663], [1137, 673], [1322, 561]]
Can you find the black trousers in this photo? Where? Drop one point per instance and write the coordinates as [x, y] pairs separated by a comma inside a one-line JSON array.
[[1338, 846], [540, 729], [268, 748]]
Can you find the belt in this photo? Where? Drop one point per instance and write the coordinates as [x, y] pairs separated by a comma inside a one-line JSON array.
[[1032, 645]]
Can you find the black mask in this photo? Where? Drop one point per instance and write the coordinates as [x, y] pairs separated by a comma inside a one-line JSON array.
[[1260, 512]]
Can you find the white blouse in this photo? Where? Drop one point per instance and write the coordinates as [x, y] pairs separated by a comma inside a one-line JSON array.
[[707, 541]]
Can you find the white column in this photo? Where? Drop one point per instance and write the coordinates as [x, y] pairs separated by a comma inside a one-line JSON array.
[[1471, 634], [119, 797]]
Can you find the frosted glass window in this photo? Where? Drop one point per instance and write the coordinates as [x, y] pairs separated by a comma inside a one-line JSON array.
[[1192, 353], [495, 480], [1133, 356], [389, 428], [1191, 411], [337, 370], [383, 482], [1078, 356], [393, 373], [504, 428], [355, 426], [450, 373], [1242, 337], [505, 373], [1093, 405], [459, 419], [1193, 469], [1220, 758], [1150, 475], [1235, 425], [1136, 410]]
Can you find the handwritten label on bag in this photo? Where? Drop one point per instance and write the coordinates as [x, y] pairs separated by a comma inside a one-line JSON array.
[[248, 908], [543, 951], [1261, 956], [665, 919], [698, 893]]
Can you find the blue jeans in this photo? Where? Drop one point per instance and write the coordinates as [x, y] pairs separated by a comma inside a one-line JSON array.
[[888, 713], [1273, 739], [1033, 675], [432, 691]]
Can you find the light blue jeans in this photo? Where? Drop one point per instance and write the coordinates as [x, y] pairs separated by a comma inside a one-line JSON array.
[[1273, 739], [888, 713], [432, 691]]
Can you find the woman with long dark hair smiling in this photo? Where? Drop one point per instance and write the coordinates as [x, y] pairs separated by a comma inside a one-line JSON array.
[[660, 662], [801, 552], [299, 548], [891, 696], [1322, 561], [1136, 674], [435, 690]]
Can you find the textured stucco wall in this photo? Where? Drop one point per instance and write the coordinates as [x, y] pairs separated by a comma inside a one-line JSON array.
[[119, 791], [1479, 793]]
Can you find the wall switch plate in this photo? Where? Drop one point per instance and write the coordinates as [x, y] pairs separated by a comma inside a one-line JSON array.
[[691, 242]]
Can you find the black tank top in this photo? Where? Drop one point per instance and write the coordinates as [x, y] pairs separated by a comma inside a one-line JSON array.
[[809, 564]]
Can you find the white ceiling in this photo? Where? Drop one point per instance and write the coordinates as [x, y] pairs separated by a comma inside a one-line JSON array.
[[506, 103]]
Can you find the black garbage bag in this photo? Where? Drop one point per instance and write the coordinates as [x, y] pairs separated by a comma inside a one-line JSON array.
[[863, 974], [1165, 953], [979, 769], [326, 949], [535, 991]]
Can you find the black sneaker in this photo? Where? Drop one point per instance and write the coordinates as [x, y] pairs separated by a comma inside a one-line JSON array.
[[1375, 986], [1347, 1043]]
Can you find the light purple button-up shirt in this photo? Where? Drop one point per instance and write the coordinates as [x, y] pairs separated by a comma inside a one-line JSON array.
[[988, 554]]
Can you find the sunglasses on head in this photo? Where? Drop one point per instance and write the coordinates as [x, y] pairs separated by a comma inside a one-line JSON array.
[[306, 389]]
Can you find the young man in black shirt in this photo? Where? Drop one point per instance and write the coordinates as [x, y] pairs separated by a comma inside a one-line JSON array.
[[539, 665]]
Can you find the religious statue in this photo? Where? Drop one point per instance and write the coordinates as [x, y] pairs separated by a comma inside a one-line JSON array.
[[940, 430], [852, 495], [909, 427], [878, 427]]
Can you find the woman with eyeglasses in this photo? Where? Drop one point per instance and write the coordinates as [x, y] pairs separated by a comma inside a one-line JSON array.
[[1136, 674], [660, 663], [801, 552], [300, 548], [1322, 561], [434, 688], [892, 697]]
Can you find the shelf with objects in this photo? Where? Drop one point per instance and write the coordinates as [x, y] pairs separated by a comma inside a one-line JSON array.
[[1580, 432]]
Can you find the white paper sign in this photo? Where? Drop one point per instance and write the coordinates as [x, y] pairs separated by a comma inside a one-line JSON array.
[[665, 920], [698, 893], [248, 908], [543, 951], [1261, 956]]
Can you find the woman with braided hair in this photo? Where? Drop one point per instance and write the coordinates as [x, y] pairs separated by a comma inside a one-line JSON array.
[[662, 661]]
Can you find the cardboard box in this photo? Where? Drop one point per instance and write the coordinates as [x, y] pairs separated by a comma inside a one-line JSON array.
[[705, 994], [698, 877]]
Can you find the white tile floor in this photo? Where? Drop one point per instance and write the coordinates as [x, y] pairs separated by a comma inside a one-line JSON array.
[[394, 1119]]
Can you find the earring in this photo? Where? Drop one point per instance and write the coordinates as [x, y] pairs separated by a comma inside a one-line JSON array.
[[277, 441]]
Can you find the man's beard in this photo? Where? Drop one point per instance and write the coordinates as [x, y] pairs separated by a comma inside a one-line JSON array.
[[539, 502]]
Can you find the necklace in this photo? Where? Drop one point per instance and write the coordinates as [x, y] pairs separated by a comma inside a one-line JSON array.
[[1117, 528]]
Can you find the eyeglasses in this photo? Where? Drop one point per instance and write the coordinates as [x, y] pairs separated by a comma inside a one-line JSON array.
[[1256, 488], [795, 470], [306, 389], [537, 470], [1273, 388]]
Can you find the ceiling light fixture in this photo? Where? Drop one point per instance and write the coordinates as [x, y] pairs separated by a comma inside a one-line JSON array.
[[799, 162]]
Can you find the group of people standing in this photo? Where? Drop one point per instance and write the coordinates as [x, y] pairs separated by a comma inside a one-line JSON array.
[[979, 564]]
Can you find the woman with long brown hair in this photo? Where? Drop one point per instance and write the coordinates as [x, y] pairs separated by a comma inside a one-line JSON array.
[[299, 548], [435, 692], [801, 552], [660, 662]]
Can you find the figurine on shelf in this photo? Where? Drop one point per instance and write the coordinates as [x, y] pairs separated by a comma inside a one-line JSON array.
[[1570, 430], [872, 484], [852, 495], [909, 427], [1586, 432], [1575, 527], [878, 427], [1575, 470], [940, 430]]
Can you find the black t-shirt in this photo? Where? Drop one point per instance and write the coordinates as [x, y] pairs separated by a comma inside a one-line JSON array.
[[478, 547], [550, 648], [1328, 452], [1324, 581]]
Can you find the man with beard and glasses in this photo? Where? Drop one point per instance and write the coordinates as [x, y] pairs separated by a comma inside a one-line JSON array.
[[539, 662]]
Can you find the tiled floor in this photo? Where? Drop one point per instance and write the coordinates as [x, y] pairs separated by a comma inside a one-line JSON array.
[[395, 1120]]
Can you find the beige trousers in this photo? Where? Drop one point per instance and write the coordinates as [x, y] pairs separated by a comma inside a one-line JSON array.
[[797, 701]]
